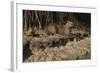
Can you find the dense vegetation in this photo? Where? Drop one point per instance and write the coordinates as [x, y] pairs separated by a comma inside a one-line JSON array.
[[46, 32], [41, 19]]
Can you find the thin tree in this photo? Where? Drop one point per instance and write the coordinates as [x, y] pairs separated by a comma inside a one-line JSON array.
[[37, 18]]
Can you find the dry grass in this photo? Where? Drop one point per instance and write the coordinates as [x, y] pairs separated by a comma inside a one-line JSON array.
[[72, 51]]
